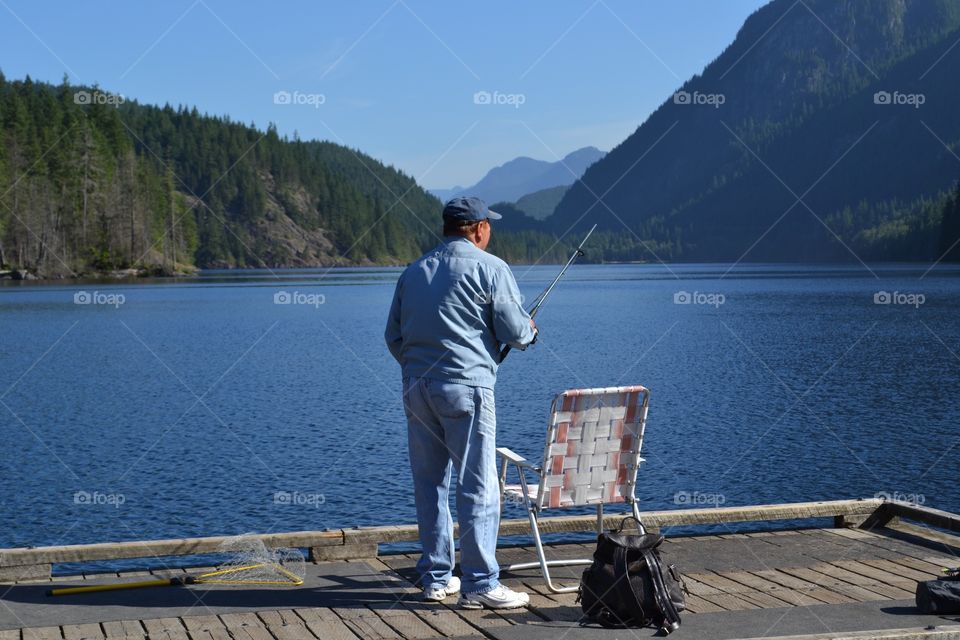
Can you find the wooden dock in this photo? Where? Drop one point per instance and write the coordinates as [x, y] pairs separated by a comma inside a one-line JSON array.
[[842, 581]]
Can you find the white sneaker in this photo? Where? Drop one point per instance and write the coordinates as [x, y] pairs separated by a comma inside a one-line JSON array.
[[499, 598], [438, 594]]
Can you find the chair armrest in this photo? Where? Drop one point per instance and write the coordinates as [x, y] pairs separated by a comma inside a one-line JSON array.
[[515, 458]]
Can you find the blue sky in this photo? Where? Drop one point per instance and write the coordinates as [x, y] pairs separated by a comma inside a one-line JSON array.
[[402, 80]]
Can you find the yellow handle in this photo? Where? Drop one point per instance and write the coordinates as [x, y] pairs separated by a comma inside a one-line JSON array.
[[113, 587]]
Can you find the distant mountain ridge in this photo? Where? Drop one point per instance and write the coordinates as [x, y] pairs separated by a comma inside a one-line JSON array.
[[521, 176], [541, 204], [803, 140]]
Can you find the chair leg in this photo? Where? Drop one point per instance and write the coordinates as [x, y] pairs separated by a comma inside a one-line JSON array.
[[636, 514], [544, 563], [599, 518]]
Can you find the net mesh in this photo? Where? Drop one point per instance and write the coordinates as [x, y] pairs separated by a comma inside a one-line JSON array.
[[249, 561]]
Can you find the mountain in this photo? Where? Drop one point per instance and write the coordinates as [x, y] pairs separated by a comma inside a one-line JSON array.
[[92, 182], [446, 194], [825, 131], [541, 204], [521, 176]]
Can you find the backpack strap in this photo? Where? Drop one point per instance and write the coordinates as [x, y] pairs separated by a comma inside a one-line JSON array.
[[623, 573], [671, 617]]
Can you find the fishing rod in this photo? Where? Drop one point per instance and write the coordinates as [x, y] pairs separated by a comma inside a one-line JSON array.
[[540, 298]]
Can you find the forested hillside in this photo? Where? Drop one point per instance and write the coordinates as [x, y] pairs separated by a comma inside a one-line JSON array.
[[826, 131], [95, 182]]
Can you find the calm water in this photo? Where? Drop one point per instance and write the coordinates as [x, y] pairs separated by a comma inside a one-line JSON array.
[[201, 407]]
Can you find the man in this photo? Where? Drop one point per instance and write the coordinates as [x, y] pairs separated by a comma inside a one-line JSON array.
[[452, 310]]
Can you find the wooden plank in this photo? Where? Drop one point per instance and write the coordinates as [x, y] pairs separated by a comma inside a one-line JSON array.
[[852, 533], [89, 631], [175, 572], [157, 548], [365, 623], [521, 615], [728, 601], [921, 564], [23, 571], [206, 627], [949, 540], [403, 621], [344, 552], [447, 623], [97, 575], [481, 618], [698, 588], [900, 569], [478, 618], [880, 518], [123, 629], [845, 575], [325, 624], [133, 574], [537, 585], [893, 548], [395, 613], [554, 607], [790, 596], [810, 589], [879, 575], [902, 555], [781, 533], [696, 604], [9, 634], [653, 519], [42, 633], [731, 587], [165, 629], [858, 594], [926, 515], [285, 625], [245, 626]]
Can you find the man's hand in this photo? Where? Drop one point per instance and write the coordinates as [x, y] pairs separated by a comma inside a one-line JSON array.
[[536, 331]]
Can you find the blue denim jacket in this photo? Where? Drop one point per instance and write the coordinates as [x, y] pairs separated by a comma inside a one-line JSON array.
[[452, 310]]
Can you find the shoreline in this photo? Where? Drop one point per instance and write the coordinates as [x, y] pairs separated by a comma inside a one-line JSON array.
[[184, 271]]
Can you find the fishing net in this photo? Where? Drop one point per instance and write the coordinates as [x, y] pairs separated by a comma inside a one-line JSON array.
[[249, 561]]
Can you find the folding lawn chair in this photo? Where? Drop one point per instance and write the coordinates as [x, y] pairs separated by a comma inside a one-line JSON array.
[[591, 458]]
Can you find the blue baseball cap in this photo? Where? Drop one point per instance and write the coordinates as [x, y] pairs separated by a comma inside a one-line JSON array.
[[468, 210]]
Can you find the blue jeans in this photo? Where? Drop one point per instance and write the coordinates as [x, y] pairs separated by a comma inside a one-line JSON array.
[[454, 424]]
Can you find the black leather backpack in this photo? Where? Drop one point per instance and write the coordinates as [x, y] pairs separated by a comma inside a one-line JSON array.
[[628, 586]]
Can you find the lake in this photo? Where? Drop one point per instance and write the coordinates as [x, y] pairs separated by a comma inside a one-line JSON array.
[[243, 401]]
